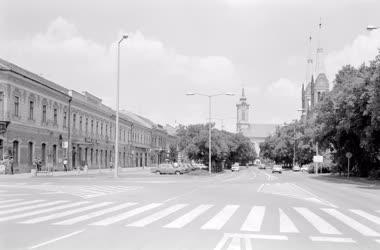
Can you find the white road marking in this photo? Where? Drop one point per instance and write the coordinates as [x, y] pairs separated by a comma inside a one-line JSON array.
[[320, 224], [157, 216], [7, 201], [20, 209], [366, 215], [332, 239], [126, 215], [56, 239], [364, 230], [286, 225], [13, 195], [254, 220], [248, 244], [257, 236], [65, 213], [20, 203], [218, 221], [188, 217], [378, 241], [235, 244], [43, 211], [313, 195], [260, 187], [221, 243], [95, 214]]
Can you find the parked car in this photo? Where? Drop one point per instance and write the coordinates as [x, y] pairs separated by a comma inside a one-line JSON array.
[[305, 168], [296, 168], [262, 166], [277, 169], [167, 168], [235, 167]]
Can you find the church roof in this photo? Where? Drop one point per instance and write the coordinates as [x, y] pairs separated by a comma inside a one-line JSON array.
[[259, 130], [322, 82]]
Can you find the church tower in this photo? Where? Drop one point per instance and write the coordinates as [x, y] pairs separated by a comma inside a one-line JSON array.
[[242, 113]]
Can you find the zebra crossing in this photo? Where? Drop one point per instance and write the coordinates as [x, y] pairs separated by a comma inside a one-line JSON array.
[[83, 191], [325, 222]]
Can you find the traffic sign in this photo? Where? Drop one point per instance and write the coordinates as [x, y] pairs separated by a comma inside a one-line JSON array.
[[348, 155], [318, 158]]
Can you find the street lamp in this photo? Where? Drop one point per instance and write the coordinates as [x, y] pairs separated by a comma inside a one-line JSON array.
[[209, 123], [371, 27], [117, 107]]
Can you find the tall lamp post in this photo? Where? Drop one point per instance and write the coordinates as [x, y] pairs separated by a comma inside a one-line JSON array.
[[117, 108], [209, 123]]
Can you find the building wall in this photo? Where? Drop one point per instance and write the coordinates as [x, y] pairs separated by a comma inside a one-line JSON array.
[[92, 127]]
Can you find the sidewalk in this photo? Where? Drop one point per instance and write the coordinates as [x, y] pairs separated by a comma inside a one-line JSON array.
[[90, 172]]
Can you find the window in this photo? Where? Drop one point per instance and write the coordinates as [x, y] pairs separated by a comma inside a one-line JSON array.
[[97, 126], [86, 125], [31, 110], [101, 129], [92, 126], [64, 119], [74, 120], [80, 123], [55, 112], [17, 105], [43, 113], [106, 129]]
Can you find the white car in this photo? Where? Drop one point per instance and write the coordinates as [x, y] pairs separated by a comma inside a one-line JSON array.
[[304, 168], [277, 169], [296, 168], [235, 167]]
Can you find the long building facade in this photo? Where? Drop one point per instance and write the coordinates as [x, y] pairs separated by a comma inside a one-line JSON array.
[[43, 121]]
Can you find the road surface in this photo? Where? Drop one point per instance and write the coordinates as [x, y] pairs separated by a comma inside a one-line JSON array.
[[252, 210]]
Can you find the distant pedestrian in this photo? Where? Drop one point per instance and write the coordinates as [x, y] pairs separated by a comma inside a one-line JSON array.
[[11, 164], [65, 164]]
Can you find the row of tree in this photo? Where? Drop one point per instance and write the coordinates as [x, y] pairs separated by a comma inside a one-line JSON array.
[[226, 148], [346, 120]]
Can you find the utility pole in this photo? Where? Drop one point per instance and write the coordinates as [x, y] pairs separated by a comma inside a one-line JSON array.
[[294, 149], [69, 163], [316, 164], [209, 134]]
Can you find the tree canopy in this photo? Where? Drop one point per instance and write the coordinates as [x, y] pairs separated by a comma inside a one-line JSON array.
[[225, 146]]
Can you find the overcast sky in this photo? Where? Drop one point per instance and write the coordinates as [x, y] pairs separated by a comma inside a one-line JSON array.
[[177, 46]]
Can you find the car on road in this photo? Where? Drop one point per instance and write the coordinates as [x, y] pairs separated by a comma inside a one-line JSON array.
[[277, 169], [235, 167], [167, 168], [262, 166], [296, 168], [305, 168]]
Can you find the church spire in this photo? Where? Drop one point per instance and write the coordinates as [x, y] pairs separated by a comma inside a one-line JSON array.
[[242, 93], [243, 98], [309, 66], [319, 64]]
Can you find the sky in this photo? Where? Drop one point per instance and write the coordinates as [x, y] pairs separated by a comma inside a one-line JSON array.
[[177, 46]]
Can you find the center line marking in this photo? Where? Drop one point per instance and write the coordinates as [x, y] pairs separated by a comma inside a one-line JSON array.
[[56, 239]]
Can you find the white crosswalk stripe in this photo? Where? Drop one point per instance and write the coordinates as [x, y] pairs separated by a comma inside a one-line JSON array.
[[95, 214], [188, 217], [177, 216], [20, 209], [157, 216], [66, 213], [235, 244], [218, 221], [8, 201], [20, 203], [254, 220], [320, 224], [364, 230], [126, 215], [42, 211], [286, 225], [366, 215]]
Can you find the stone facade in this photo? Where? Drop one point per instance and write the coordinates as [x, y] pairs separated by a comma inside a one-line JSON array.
[[35, 115]]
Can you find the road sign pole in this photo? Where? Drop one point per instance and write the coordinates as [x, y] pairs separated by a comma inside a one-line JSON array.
[[348, 168]]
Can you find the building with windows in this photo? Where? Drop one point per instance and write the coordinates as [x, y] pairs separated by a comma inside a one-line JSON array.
[[39, 117], [256, 132]]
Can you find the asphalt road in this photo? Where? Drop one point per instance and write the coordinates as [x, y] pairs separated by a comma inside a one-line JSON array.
[[252, 209]]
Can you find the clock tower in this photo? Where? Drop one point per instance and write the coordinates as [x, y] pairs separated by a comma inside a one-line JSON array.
[[242, 113]]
